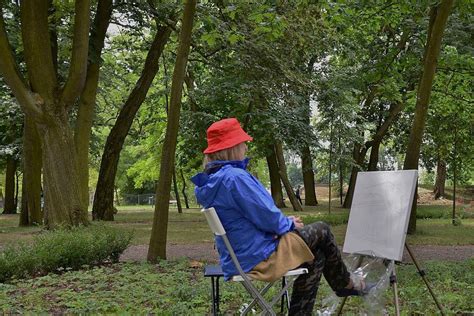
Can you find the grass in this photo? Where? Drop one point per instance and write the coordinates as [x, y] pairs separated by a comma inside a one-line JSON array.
[[142, 288], [190, 226]]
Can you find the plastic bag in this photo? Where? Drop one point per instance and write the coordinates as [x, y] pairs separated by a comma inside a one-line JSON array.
[[374, 270]]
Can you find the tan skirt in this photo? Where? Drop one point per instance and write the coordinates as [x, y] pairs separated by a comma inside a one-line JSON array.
[[292, 252]]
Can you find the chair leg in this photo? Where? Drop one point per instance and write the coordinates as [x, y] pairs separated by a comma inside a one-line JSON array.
[[215, 295], [258, 298], [283, 283], [262, 292]]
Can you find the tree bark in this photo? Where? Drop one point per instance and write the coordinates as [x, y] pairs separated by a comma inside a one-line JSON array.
[[284, 178], [32, 164], [275, 181], [62, 204], [438, 19], [103, 207], [157, 248], [82, 132], [440, 179], [374, 156], [176, 192], [9, 206], [358, 155], [47, 103], [183, 190], [308, 177]]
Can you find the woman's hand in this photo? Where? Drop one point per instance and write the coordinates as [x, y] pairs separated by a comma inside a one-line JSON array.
[[297, 220]]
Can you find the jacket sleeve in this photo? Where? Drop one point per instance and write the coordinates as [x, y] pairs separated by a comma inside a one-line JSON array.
[[256, 204]]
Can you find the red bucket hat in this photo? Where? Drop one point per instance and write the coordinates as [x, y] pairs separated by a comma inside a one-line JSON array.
[[225, 134]]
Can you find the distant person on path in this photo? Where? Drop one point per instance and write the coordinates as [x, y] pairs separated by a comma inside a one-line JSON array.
[[267, 243], [297, 193]]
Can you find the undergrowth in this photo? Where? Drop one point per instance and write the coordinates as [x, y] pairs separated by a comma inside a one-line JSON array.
[[179, 288]]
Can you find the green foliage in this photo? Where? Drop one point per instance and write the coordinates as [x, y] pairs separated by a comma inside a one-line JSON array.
[[438, 211], [64, 249], [331, 219], [179, 288]]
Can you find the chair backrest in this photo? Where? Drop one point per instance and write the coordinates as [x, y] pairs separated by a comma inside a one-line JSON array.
[[218, 230], [213, 221]]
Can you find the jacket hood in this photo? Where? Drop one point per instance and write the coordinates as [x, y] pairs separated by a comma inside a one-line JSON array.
[[207, 184]]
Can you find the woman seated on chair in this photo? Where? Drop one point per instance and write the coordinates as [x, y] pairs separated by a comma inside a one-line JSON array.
[[267, 243]]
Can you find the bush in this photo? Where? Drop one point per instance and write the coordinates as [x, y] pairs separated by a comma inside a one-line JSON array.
[[331, 219], [58, 250]]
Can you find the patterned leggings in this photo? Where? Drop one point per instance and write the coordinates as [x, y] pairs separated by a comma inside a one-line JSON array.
[[327, 261]]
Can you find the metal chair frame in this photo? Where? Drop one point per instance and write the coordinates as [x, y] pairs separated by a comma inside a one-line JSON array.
[[218, 230]]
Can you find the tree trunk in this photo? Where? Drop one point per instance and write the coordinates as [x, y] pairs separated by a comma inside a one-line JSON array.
[[374, 156], [24, 216], [183, 189], [157, 248], [32, 164], [48, 103], [438, 19], [358, 156], [9, 206], [284, 178], [275, 181], [62, 205], [176, 192], [85, 114], [103, 207], [341, 178], [308, 177], [440, 178]]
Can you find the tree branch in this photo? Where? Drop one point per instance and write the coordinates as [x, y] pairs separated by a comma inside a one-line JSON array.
[[12, 76], [80, 48], [37, 48]]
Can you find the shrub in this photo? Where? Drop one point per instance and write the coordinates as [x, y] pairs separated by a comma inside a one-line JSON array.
[[331, 219], [63, 249]]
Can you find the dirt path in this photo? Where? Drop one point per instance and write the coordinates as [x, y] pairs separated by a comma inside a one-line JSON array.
[[206, 252]]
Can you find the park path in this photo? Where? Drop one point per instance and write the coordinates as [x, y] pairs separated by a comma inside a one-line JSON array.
[[206, 252]]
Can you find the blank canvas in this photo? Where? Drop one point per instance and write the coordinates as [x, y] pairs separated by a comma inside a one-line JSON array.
[[380, 212]]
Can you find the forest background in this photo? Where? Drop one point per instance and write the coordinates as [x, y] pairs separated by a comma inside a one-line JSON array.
[[105, 103]]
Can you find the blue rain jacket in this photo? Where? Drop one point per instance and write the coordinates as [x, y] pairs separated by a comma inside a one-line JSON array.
[[246, 210]]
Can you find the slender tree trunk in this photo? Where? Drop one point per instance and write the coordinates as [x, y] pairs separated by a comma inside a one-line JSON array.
[[32, 164], [341, 178], [308, 177], [440, 178], [157, 248], [17, 188], [453, 219], [103, 207], [176, 192], [24, 216], [330, 168], [284, 178], [9, 206], [374, 156], [275, 181], [183, 189], [438, 19]]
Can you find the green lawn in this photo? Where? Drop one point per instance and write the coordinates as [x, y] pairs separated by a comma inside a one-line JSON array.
[[178, 288], [190, 226], [141, 288]]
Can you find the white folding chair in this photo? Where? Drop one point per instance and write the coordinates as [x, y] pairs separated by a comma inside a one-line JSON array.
[[266, 306]]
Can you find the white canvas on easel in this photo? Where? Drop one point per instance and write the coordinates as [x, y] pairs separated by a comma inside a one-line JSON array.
[[380, 212]]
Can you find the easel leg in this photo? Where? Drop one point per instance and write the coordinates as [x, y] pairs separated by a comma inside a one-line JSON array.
[[393, 282], [339, 309], [422, 274]]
